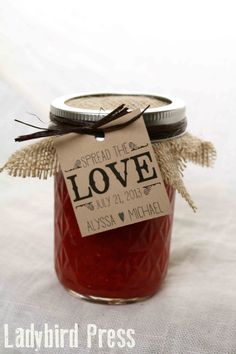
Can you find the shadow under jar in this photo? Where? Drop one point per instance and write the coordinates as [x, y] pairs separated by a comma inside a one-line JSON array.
[[129, 263]]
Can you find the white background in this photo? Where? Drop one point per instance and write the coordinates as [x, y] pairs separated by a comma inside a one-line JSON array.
[[182, 48]]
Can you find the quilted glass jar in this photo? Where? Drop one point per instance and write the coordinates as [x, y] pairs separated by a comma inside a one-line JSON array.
[[129, 263]]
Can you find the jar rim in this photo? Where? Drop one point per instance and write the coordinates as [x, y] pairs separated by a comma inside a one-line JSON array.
[[173, 111]]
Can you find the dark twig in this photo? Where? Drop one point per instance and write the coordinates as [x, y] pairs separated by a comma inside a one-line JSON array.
[[29, 125]]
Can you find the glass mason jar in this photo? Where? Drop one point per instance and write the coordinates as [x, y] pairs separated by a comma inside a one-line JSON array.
[[129, 263]]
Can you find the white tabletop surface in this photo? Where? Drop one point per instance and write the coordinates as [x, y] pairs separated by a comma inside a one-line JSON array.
[[55, 48]]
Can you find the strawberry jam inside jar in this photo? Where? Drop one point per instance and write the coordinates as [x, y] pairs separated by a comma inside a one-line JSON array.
[[129, 263]]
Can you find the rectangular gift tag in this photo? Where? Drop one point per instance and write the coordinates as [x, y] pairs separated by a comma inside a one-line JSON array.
[[112, 182]]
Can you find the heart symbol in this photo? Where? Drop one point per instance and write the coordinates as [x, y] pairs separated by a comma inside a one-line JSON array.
[[122, 216]]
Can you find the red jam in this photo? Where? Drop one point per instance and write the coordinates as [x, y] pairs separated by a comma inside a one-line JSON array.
[[128, 262]]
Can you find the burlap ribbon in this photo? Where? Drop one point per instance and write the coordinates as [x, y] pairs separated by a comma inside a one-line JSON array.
[[40, 160]]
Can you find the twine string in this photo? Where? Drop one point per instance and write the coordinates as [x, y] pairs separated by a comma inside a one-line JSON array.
[[82, 127]]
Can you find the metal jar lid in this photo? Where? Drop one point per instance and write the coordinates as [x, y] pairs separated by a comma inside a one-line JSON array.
[[92, 107]]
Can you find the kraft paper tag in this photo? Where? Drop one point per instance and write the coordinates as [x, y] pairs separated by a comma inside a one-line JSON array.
[[113, 182]]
